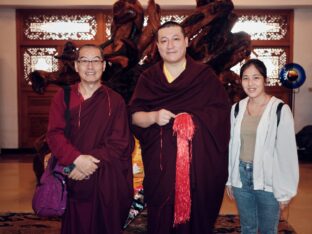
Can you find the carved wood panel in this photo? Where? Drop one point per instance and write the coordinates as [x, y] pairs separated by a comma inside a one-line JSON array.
[[34, 116]]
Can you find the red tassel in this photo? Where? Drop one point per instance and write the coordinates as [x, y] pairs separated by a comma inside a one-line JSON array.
[[184, 128]]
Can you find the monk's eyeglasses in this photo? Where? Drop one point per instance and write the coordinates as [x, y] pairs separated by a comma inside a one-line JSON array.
[[94, 62]]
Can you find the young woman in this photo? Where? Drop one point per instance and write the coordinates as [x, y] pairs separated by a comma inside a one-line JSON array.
[[263, 162]]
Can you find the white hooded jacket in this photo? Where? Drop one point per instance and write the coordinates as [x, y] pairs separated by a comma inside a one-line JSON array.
[[275, 165]]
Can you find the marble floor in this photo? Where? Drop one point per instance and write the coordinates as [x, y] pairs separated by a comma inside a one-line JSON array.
[[17, 182]]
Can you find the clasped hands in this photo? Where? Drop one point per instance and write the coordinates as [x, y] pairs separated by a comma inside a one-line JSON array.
[[85, 165]]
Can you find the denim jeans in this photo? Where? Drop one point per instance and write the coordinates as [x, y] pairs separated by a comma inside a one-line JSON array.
[[258, 209]]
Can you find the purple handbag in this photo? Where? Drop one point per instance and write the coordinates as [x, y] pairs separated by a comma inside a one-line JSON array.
[[50, 195]]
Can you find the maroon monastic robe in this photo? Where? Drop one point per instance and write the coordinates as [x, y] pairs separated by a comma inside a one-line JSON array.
[[99, 127], [198, 92]]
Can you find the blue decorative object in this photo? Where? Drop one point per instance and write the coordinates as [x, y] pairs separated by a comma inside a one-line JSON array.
[[292, 76]]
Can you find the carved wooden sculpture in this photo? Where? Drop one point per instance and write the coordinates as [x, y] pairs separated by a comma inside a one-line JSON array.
[[66, 75], [132, 47]]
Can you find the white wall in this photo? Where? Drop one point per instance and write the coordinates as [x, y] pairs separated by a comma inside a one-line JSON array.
[[303, 56], [8, 73], [8, 80]]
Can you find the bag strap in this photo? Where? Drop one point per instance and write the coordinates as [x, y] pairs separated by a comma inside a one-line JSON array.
[[278, 112], [236, 109], [66, 89], [67, 112]]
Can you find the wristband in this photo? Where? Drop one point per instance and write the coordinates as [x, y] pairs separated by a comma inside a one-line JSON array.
[[67, 170]]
